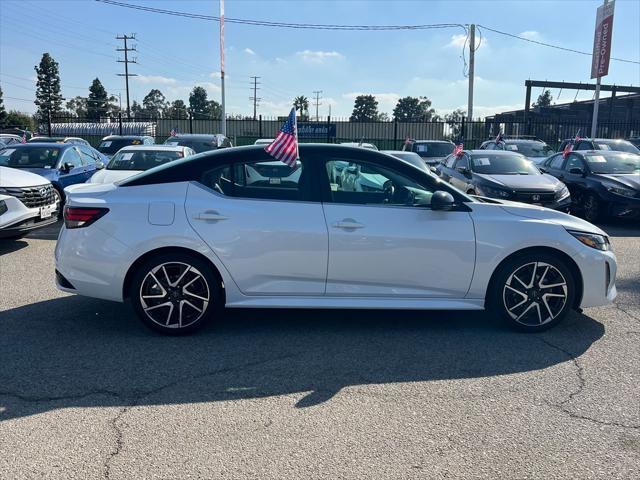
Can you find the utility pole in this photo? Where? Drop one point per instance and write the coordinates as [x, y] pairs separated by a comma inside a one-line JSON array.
[[472, 64], [255, 95], [223, 124], [126, 62], [317, 94]]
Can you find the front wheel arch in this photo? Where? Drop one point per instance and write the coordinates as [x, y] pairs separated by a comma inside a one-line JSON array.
[[126, 286], [569, 262]]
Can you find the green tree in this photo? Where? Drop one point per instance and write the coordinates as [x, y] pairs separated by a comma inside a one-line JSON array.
[[3, 112], [301, 104], [214, 109], [20, 120], [136, 110], [198, 104], [544, 100], [48, 96], [77, 106], [177, 110], [454, 120], [98, 101], [365, 108], [383, 117], [413, 109], [154, 103]]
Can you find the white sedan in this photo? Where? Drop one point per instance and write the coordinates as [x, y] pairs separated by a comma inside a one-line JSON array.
[[134, 159], [184, 239]]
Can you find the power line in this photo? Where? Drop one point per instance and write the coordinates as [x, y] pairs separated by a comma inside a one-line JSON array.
[[126, 62], [317, 94], [255, 98]]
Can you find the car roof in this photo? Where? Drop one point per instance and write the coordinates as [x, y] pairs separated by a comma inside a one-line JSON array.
[[125, 137], [41, 144], [403, 152], [158, 147], [491, 152], [197, 135], [432, 141]]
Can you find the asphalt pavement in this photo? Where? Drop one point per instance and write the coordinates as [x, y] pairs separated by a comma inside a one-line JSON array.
[[86, 391]]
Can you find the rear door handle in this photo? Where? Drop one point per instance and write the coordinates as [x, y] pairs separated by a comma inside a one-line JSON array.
[[348, 224], [210, 216]]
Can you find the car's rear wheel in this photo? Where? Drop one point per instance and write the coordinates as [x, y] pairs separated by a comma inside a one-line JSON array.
[[532, 292], [175, 293], [592, 209]]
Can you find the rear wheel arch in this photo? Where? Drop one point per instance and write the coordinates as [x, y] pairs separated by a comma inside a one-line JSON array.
[[126, 286], [566, 259]]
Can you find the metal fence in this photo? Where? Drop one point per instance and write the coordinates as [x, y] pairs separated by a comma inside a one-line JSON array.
[[384, 134]]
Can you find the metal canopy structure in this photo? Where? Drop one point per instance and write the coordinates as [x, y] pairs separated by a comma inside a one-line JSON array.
[[529, 84]]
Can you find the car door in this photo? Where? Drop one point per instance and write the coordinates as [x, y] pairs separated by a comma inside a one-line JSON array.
[[77, 173], [444, 169], [576, 182], [389, 243], [88, 159], [553, 166], [459, 179], [265, 224]]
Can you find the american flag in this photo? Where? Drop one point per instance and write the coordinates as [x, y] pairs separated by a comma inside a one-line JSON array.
[[173, 132], [24, 137], [568, 148], [407, 140], [285, 146], [499, 137], [459, 148]]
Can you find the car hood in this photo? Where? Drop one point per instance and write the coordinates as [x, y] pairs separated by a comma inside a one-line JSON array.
[[523, 182], [18, 177], [433, 160], [110, 176], [631, 180], [553, 216]]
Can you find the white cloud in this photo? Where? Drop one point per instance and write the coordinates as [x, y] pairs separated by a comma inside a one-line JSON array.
[[457, 41], [319, 56], [280, 60], [158, 79], [249, 51], [530, 34]]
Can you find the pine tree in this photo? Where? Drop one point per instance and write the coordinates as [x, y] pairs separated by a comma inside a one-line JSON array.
[[3, 112], [98, 101], [48, 96]]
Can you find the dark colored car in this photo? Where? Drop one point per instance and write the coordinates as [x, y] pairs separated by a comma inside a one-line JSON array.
[[506, 176], [63, 164], [535, 150], [601, 182], [432, 151], [110, 145], [606, 144], [199, 142], [74, 140], [635, 141]]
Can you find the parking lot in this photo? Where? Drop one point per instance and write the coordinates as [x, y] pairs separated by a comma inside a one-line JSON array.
[[86, 391]]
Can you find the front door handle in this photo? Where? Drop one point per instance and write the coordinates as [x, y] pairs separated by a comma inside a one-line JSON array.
[[348, 224], [210, 216]]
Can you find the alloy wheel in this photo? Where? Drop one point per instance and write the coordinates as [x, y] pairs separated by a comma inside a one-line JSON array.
[[174, 295], [591, 209], [535, 293]]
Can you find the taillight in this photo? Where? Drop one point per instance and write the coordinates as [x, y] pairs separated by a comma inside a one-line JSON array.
[[79, 217]]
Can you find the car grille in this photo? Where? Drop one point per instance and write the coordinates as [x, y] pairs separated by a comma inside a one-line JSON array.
[[535, 197], [32, 197]]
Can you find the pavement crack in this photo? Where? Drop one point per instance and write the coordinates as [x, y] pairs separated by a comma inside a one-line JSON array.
[[563, 405], [619, 306], [119, 442]]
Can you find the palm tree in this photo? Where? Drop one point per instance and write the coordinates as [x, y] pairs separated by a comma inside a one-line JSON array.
[[301, 104]]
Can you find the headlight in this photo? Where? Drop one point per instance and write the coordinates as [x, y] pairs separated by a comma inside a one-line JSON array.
[[3, 207], [493, 192], [562, 193], [625, 192], [593, 240]]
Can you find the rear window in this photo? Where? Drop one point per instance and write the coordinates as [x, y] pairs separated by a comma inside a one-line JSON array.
[[109, 147], [430, 150], [141, 160], [198, 145]]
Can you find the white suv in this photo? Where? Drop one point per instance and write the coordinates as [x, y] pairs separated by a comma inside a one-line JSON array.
[[27, 202]]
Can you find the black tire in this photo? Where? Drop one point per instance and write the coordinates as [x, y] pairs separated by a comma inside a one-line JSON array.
[[503, 300], [591, 209], [60, 198], [181, 295]]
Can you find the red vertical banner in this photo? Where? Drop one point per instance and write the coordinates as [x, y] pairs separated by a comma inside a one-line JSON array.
[[602, 40]]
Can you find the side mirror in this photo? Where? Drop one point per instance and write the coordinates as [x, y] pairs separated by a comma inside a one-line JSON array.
[[542, 169], [99, 165], [576, 171], [66, 167], [441, 200], [464, 170]]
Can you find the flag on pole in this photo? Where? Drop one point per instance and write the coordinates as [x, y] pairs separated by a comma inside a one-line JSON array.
[[499, 137], [285, 146], [173, 132], [568, 148], [459, 148], [24, 137]]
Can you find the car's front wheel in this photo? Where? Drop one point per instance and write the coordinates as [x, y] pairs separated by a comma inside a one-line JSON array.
[[592, 209], [175, 293], [532, 292]]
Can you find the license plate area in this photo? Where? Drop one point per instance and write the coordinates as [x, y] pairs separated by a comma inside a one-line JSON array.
[[47, 211]]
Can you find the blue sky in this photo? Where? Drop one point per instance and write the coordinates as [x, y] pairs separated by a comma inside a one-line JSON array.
[[174, 53]]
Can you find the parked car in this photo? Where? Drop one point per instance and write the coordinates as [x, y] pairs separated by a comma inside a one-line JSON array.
[[186, 238], [62, 164], [27, 202], [369, 146], [535, 150], [601, 144], [602, 183], [9, 139], [135, 159], [74, 140], [199, 142], [635, 141], [110, 144], [411, 157], [504, 175], [432, 152], [263, 141]]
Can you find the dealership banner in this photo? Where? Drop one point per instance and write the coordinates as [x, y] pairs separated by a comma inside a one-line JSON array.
[[602, 40], [316, 130]]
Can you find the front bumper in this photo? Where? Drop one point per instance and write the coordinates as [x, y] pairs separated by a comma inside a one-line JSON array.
[[598, 271], [18, 219]]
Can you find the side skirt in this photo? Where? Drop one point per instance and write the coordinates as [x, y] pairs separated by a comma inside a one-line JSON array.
[[359, 303]]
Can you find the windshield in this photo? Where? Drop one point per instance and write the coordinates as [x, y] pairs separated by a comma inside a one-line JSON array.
[[532, 149], [431, 150], [503, 165], [109, 147], [198, 145], [613, 162], [141, 160], [35, 157], [616, 145]]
